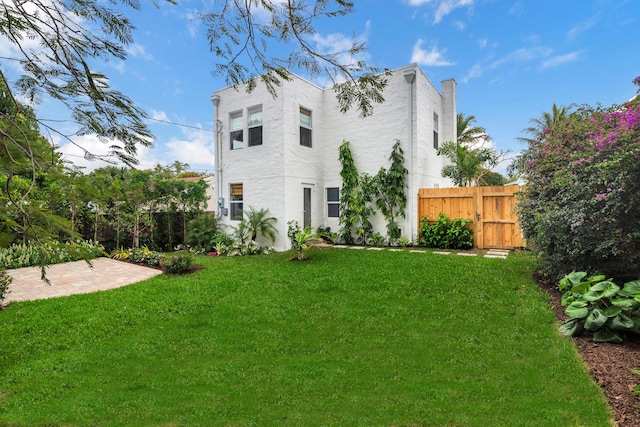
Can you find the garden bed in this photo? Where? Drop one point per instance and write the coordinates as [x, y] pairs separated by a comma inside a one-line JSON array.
[[609, 365]]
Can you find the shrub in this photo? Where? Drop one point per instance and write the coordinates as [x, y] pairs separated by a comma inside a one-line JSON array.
[[377, 239], [5, 281], [327, 235], [445, 233], [600, 306], [579, 210], [144, 256], [50, 252], [202, 231], [176, 263]]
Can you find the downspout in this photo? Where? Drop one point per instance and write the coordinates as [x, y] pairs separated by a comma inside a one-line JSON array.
[[215, 100], [409, 77]]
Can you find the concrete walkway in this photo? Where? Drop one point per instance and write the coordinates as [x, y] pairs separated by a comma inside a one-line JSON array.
[[75, 278]]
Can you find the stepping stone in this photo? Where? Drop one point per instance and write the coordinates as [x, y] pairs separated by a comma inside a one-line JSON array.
[[419, 252], [495, 256], [441, 253], [396, 250], [466, 254], [339, 246], [356, 247], [374, 249]]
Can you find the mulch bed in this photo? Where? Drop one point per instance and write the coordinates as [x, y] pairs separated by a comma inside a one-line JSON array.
[[609, 366]]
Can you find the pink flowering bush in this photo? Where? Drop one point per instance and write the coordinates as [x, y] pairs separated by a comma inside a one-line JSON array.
[[581, 208]]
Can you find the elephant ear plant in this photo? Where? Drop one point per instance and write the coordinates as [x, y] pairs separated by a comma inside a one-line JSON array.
[[598, 305]]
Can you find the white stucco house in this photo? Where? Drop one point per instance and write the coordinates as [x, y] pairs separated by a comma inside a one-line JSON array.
[[282, 153]]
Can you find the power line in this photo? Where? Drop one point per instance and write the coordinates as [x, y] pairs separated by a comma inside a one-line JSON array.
[[179, 124]]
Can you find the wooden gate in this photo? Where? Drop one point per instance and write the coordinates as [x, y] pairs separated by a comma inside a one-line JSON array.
[[490, 210]]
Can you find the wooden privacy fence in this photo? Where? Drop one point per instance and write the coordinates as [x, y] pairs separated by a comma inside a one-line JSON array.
[[490, 210]]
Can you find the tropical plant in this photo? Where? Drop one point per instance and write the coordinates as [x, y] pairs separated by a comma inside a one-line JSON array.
[[466, 131], [203, 230], [468, 164], [377, 239], [598, 305], [259, 223], [470, 159], [305, 239], [327, 235], [445, 233], [540, 125], [390, 191]]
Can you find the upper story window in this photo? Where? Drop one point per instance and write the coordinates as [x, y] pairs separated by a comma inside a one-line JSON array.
[[435, 131], [305, 127], [255, 126], [236, 129]]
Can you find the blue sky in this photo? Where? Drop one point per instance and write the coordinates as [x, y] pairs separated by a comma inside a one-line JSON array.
[[512, 59]]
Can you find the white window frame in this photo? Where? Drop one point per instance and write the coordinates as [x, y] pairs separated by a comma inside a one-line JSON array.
[[254, 115], [236, 144], [236, 201], [306, 126], [333, 202]]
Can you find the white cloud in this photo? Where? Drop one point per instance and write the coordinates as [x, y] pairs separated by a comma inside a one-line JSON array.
[[429, 58], [447, 6], [159, 115], [459, 25], [517, 9], [562, 59], [419, 2], [474, 73], [523, 55], [482, 43], [138, 51], [579, 29], [196, 149]]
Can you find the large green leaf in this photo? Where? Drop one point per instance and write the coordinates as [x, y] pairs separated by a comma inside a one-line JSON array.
[[612, 311], [567, 298], [580, 288], [624, 303], [631, 289], [571, 328], [621, 323], [571, 279], [606, 335], [577, 309], [601, 290], [595, 320]]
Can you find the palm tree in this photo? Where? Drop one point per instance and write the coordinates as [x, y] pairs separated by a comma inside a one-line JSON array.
[[537, 130], [545, 121], [466, 132], [467, 164], [258, 222], [303, 240]]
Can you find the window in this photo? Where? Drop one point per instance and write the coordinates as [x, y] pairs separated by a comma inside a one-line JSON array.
[[435, 131], [333, 202], [236, 127], [235, 202], [255, 126], [305, 127]]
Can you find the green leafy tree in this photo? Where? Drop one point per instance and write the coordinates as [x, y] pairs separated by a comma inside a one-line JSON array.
[[391, 196]]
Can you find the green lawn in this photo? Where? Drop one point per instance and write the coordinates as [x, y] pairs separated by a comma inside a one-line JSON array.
[[348, 338]]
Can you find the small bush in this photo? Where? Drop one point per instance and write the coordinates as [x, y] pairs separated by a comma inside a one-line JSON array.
[[203, 231], [446, 233], [144, 256], [176, 263]]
